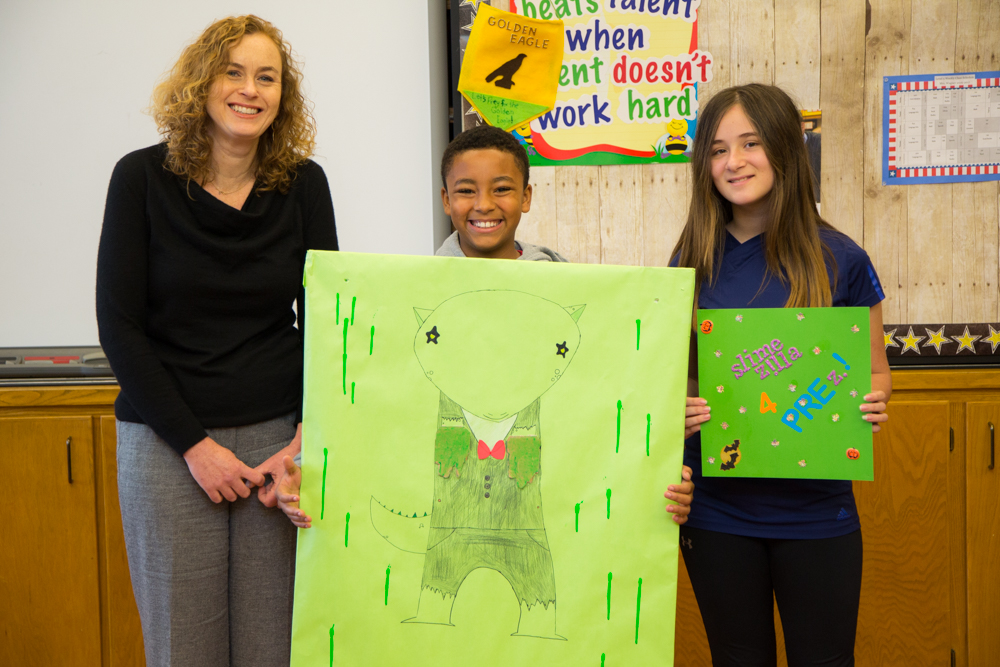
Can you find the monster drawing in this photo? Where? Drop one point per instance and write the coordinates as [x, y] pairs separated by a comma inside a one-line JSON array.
[[492, 354]]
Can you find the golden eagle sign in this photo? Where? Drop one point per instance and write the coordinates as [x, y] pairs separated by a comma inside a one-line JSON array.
[[510, 72]]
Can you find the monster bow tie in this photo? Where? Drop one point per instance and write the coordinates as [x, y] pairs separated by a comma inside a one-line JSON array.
[[498, 452]]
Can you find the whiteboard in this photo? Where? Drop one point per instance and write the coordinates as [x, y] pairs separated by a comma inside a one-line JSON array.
[[79, 76]]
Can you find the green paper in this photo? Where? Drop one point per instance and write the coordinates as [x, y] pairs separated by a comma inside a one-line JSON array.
[[785, 386], [530, 358], [504, 112]]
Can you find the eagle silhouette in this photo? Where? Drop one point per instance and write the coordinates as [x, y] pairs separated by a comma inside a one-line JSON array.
[[506, 71]]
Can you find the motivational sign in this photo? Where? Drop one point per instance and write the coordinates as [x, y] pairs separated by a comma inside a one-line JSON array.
[[785, 386], [628, 82], [485, 449], [510, 69]]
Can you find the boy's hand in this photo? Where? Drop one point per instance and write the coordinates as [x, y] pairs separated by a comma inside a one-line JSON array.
[[681, 494], [696, 413], [286, 493]]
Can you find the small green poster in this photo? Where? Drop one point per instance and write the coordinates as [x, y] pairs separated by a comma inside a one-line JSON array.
[[485, 449], [785, 386]]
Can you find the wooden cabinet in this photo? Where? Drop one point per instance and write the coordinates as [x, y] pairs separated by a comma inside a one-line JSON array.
[[930, 520], [67, 597], [931, 525], [48, 577], [982, 531]]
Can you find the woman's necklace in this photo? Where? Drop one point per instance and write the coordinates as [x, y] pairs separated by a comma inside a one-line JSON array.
[[224, 193]]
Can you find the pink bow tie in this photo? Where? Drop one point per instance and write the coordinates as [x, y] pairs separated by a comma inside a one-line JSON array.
[[498, 452]]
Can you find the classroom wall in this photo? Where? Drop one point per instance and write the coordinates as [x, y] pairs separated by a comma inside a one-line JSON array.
[[79, 74], [935, 246]]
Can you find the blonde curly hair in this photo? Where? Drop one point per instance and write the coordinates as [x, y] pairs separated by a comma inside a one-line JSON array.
[[178, 107]]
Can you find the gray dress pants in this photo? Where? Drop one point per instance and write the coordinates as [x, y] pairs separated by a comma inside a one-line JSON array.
[[213, 583]]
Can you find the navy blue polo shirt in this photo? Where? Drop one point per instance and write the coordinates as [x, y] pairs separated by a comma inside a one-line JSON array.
[[777, 508]]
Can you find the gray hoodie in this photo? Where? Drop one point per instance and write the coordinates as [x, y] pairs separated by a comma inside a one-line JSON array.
[[530, 252]]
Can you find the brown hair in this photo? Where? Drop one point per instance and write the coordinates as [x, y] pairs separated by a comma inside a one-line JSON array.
[[793, 249], [178, 107]]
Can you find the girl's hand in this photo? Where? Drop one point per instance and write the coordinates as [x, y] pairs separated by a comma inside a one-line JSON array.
[[874, 409], [696, 413], [681, 494], [219, 473], [287, 494]]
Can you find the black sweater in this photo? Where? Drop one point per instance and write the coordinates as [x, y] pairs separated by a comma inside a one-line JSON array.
[[194, 297]]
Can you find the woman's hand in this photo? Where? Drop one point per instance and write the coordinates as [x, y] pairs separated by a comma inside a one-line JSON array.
[[275, 467], [287, 494], [874, 409], [696, 413], [681, 494], [219, 473]]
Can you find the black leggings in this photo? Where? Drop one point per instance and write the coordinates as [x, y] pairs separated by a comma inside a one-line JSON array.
[[817, 584]]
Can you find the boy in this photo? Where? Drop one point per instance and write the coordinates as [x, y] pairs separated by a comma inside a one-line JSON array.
[[485, 190]]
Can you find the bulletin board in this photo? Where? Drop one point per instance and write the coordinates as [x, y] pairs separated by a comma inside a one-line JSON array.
[[941, 128]]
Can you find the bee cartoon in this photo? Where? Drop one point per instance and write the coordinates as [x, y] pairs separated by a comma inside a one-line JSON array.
[[675, 141]]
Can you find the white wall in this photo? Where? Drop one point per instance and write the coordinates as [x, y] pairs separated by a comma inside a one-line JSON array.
[[78, 75]]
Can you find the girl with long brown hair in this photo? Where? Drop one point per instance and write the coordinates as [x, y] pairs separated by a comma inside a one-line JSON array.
[[755, 239]]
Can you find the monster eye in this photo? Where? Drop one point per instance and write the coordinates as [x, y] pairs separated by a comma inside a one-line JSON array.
[[561, 349], [433, 335]]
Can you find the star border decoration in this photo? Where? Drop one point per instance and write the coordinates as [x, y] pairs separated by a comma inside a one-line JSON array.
[[993, 339], [936, 339], [966, 341], [474, 4], [889, 338], [910, 342]]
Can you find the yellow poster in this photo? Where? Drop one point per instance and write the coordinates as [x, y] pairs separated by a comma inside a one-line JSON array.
[[510, 71], [627, 85]]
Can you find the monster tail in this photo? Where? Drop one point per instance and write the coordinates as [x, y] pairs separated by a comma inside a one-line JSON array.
[[406, 532]]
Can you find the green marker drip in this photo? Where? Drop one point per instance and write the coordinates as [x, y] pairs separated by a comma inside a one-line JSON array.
[[347, 526], [609, 596], [354, 300], [387, 584], [331, 646], [618, 433], [322, 502], [638, 601], [371, 343], [608, 494], [352, 403], [637, 324], [647, 433], [338, 308], [344, 359], [602, 660], [578, 517]]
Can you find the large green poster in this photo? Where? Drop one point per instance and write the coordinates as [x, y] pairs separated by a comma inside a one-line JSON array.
[[785, 386], [486, 446]]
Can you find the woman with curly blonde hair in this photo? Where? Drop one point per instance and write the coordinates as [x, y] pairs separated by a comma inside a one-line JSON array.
[[199, 266]]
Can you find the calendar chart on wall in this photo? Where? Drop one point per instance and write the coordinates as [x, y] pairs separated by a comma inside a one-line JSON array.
[[941, 128]]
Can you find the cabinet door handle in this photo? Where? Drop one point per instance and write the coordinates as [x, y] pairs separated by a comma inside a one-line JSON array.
[[992, 447], [69, 457]]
